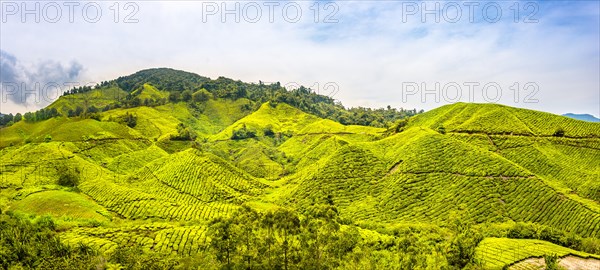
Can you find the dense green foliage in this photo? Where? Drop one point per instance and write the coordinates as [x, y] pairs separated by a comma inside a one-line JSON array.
[[68, 177], [43, 114], [551, 262], [319, 239], [37, 245], [244, 133], [188, 87]]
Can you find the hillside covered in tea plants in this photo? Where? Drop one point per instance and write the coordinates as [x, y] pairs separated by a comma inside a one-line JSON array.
[[168, 169]]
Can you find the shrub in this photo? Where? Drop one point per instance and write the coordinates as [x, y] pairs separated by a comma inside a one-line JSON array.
[[184, 133], [246, 107], [201, 95], [46, 222], [35, 245], [92, 109], [243, 133], [591, 245], [551, 262], [441, 130], [403, 123], [559, 133], [522, 231], [462, 248], [174, 96], [95, 116], [268, 131], [48, 138], [68, 177], [186, 95], [128, 119]]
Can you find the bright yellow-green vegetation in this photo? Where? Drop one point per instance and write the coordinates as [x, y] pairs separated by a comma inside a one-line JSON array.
[[98, 98], [159, 175], [149, 92], [61, 204], [66, 130], [501, 119], [161, 237], [495, 253]]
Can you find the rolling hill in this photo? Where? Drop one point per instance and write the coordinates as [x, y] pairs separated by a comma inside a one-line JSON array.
[[171, 173]]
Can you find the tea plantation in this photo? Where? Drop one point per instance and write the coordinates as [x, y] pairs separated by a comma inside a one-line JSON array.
[[165, 169]]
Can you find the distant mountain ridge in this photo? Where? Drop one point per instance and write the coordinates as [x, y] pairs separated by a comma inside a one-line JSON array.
[[582, 117]]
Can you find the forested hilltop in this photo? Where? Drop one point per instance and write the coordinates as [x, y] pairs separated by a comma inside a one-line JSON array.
[[155, 87], [166, 169]]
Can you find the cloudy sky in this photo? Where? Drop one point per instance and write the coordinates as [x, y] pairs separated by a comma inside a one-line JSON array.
[[538, 55]]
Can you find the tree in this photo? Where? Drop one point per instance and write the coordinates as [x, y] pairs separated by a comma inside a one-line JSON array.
[[243, 133], [174, 96], [78, 111], [201, 95], [5, 119], [184, 133], [186, 95], [28, 244], [401, 124], [130, 120], [240, 92], [268, 131], [136, 102], [462, 247], [18, 117], [54, 112], [29, 117], [551, 262], [319, 233], [68, 177], [268, 222], [223, 240], [288, 224], [247, 221], [92, 109], [246, 107]]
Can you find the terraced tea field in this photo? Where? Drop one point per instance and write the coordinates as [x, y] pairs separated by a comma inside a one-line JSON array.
[[495, 253], [263, 184]]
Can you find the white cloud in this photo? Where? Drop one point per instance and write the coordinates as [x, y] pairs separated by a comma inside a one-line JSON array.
[[368, 53]]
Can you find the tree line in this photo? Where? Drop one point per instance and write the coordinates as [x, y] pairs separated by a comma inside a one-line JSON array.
[[316, 237], [43, 114]]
